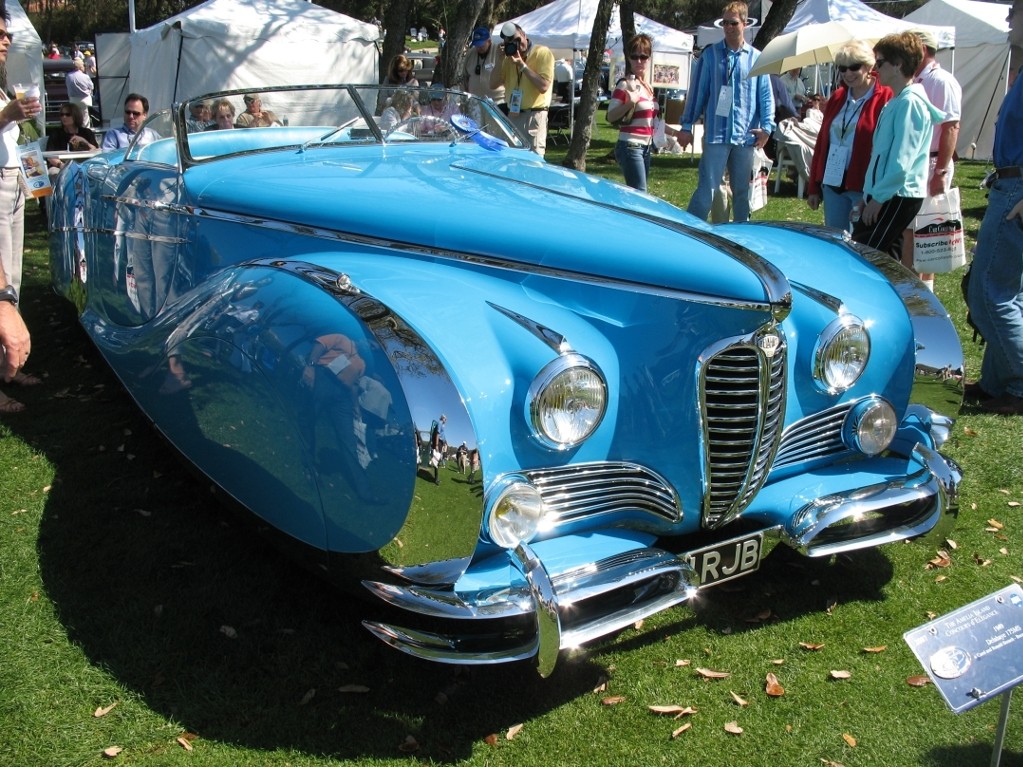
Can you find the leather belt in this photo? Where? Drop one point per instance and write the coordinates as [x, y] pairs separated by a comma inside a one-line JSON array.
[[1009, 171], [536, 109]]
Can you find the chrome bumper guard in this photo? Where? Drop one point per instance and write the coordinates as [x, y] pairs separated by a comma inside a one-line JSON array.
[[925, 502], [650, 580]]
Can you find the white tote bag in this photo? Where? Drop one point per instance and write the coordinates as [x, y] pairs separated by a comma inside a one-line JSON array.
[[938, 243]]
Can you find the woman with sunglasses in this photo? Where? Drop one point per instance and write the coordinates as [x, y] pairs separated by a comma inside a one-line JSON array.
[[846, 137], [633, 95], [71, 135]]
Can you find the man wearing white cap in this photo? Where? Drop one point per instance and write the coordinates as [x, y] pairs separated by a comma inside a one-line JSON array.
[[944, 92], [479, 64]]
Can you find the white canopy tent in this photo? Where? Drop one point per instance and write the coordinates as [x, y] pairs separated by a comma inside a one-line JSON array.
[[565, 26], [820, 11], [225, 44], [25, 56], [981, 62]]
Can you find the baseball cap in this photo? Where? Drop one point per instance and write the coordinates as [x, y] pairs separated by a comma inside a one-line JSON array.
[[927, 38], [480, 35]]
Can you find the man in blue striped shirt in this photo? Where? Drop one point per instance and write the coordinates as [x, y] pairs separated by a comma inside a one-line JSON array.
[[737, 112]]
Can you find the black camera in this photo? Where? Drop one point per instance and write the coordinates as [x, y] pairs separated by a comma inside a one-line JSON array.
[[511, 48]]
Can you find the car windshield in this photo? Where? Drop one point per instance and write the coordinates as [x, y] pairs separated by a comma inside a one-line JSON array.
[[218, 125]]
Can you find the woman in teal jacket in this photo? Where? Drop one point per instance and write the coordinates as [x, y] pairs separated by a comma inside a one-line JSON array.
[[896, 182]]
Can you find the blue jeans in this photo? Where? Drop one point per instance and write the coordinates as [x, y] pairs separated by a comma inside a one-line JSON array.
[[838, 206], [716, 157], [995, 295], [634, 160]]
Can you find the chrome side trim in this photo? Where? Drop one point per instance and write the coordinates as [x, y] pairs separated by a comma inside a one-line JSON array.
[[557, 342], [491, 262], [923, 503]]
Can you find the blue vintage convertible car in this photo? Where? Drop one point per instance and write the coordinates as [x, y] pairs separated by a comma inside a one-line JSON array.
[[523, 406]]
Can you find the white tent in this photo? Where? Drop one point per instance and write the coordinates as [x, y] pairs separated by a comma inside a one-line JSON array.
[[25, 56], [820, 11], [981, 62], [564, 26], [224, 44]]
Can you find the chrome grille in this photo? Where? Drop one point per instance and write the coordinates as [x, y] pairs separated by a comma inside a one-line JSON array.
[[597, 488], [743, 405], [814, 437]]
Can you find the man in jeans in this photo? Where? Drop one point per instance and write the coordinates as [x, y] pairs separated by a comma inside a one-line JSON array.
[[994, 296], [737, 112]]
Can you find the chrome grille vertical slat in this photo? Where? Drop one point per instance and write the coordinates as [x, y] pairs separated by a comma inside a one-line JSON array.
[[743, 401]]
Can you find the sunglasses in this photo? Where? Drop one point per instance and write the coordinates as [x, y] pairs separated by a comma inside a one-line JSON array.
[[66, 114], [730, 23], [133, 113], [638, 56], [5, 35], [850, 68]]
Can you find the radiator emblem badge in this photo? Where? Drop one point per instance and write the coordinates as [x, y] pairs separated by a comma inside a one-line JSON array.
[[769, 344]]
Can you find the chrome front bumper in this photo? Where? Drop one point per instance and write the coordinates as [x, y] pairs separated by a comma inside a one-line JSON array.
[[546, 613]]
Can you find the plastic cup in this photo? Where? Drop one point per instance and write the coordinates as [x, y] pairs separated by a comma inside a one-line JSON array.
[[19, 91], [32, 92]]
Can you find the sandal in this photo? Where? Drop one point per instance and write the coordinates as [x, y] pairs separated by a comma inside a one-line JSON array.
[[9, 405], [26, 379]]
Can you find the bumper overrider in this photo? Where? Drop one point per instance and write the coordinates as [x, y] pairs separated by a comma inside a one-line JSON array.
[[542, 612]]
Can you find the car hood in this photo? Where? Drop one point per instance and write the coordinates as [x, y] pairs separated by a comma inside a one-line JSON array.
[[509, 206]]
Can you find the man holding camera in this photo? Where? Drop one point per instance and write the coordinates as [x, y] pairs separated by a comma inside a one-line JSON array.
[[527, 74]]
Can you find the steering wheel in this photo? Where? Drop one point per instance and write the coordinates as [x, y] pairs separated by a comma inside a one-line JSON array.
[[425, 127]]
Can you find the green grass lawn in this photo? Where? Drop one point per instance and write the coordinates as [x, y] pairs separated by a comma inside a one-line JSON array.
[[123, 584]]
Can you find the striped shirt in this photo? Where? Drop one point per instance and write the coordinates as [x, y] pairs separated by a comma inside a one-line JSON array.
[[640, 129], [752, 99]]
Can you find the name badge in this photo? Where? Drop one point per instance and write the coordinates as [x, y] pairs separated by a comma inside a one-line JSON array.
[[515, 102], [724, 105], [834, 169]]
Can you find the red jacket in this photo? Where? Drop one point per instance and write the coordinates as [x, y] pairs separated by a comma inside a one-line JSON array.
[[863, 138]]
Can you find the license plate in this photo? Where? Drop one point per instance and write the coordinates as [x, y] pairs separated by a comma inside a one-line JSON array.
[[725, 561]]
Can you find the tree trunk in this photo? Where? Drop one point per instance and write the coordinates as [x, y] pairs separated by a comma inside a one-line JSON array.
[[453, 54], [395, 24], [779, 15], [583, 128], [627, 15]]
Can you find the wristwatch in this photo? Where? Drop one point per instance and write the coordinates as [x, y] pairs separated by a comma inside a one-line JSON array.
[[9, 294]]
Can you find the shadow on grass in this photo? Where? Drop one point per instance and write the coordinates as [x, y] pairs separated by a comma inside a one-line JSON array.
[[975, 754]]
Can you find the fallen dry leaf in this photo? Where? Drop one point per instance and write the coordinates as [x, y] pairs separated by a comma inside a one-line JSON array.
[[707, 673], [353, 688], [920, 680], [941, 560], [491, 739], [849, 739], [229, 632], [778, 662], [970, 432], [183, 742], [879, 648], [1003, 491], [1003, 551], [1016, 578], [612, 700], [681, 729], [1013, 504], [309, 695], [830, 763], [681, 663], [675, 711], [951, 544], [995, 524], [940, 579], [978, 559], [638, 625], [514, 730], [104, 710], [733, 728], [773, 687], [111, 751], [761, 616], [841, 674], [739, 700], [811, 645]]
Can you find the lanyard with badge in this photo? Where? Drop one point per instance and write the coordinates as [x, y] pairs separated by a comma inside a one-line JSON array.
[[515, 102], [724, 105], [838, 154]]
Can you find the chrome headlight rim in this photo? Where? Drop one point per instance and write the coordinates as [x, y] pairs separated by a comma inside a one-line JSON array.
[[838, 332], [509, 493], [861, 423], [553, 373]]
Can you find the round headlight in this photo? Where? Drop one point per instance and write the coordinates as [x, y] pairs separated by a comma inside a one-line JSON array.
[[515, 513], [841, 354], [870, 426], [567, 401]]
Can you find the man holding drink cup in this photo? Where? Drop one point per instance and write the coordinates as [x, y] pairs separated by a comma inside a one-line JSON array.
[[15, 342]]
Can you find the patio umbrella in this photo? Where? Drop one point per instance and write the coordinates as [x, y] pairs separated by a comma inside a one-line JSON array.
[[812, 44]]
